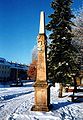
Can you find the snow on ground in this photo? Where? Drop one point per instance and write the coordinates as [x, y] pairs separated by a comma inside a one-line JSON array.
[[16, 103]]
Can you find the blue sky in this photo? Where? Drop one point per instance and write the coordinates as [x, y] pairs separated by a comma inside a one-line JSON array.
[[19, 27]]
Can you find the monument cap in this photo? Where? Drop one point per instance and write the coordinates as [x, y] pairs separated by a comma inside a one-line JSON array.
[[42, 23]]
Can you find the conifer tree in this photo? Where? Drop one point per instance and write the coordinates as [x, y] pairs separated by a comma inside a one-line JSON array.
[[62, 62]]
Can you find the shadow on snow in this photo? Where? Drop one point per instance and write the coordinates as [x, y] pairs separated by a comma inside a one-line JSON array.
[[60, 105], [63, 104], [8, 97]]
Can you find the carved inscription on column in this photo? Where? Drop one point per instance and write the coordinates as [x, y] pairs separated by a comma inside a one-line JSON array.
[[41, 65]]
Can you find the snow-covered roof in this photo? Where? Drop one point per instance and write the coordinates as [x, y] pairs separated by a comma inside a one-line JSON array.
[[19, 66], [2, 59], [4, 62], [13, 64]]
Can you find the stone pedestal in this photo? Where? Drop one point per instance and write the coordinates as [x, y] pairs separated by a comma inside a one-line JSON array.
[[42, 97]]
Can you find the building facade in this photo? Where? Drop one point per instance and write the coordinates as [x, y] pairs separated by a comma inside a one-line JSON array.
[[11, 71], [4, 70], [18, 71]]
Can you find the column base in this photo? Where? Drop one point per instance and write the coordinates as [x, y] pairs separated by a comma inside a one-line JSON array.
[[40, 108]]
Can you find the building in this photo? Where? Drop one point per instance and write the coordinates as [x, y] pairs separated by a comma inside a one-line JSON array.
[[18, 71], [11, 71], [4, 70]]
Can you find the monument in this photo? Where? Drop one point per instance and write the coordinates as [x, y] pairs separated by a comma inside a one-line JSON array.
[[42, 89]]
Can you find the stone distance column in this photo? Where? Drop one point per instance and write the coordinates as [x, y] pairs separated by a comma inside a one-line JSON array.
[[42, 89]]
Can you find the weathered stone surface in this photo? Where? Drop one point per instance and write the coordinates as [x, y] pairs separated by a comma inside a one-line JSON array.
[[42, 89], [42, 99], [41, 64], [40, 108]]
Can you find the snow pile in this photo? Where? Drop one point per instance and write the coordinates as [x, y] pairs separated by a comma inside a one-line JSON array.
[[16, 103]]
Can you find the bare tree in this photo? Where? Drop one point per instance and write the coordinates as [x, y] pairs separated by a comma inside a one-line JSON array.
[[78, 38], [34, 53]]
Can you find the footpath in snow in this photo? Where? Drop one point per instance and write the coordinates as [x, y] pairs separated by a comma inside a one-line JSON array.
[[16, 103]]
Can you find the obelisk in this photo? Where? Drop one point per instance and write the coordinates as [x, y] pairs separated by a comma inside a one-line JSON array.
[[42, 89]]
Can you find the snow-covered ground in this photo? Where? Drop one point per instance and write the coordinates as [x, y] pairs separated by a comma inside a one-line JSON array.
[[16, 103]]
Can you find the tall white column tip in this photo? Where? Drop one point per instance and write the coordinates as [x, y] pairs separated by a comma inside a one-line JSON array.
[[42, 23]]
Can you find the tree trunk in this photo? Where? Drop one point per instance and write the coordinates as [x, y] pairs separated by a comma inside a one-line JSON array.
[[60, 90], [75, 85]]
